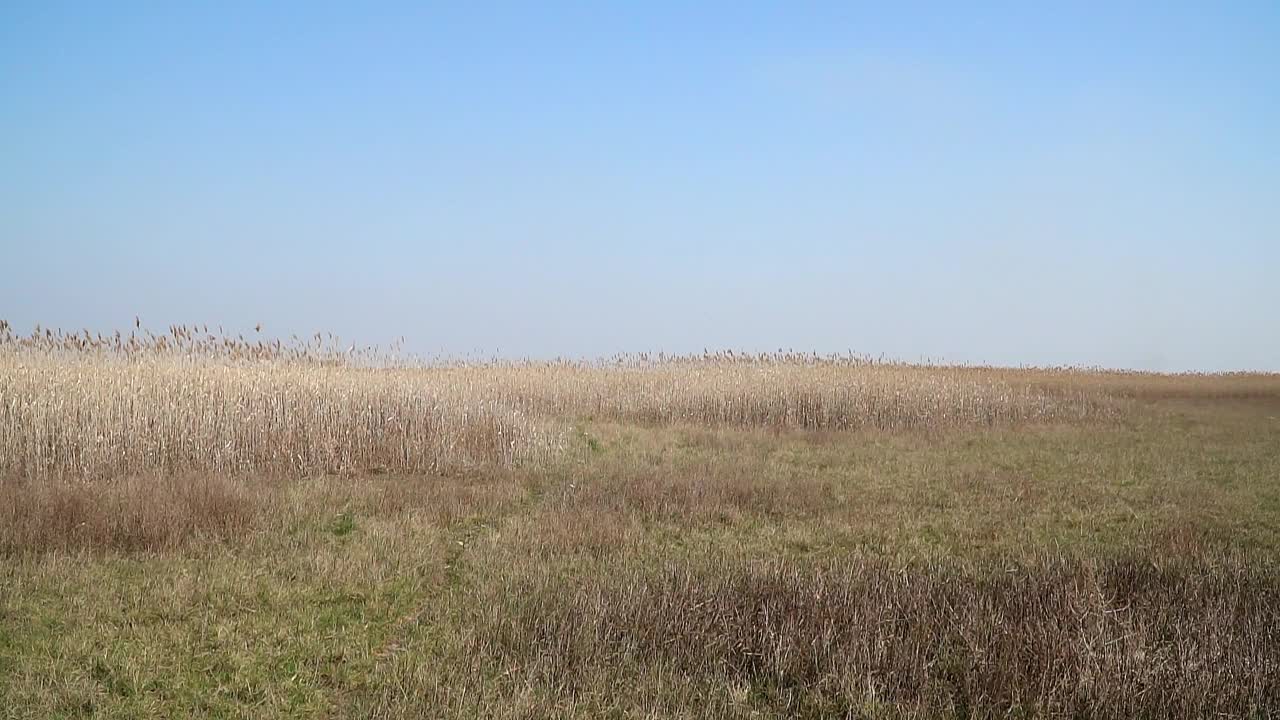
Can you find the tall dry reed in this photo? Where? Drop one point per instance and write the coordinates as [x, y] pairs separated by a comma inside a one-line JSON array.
[[101, 416], [193, 401]]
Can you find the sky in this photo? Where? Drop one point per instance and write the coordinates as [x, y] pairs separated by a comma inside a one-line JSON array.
[[1013, 183]]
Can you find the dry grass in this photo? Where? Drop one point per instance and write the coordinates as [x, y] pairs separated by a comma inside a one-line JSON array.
[[785, 391], [199, 526], [153, 514]]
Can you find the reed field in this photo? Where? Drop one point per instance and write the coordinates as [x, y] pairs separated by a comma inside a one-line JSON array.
[[194, 524], [76, 405]]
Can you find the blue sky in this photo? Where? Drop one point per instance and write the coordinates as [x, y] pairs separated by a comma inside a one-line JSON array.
[[1010, 183]]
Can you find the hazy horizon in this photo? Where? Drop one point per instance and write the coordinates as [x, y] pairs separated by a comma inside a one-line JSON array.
[[1090, 185]]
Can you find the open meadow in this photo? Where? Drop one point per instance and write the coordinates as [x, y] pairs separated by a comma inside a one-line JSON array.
[[197, 525]]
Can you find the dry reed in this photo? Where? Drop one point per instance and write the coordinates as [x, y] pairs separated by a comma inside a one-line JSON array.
[[76, 405], [194, 402]]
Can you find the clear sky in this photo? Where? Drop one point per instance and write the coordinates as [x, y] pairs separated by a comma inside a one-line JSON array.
[[1096, 183]]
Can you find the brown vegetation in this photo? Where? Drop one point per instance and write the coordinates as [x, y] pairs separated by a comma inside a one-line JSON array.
[[153, 513], [1119, 638]]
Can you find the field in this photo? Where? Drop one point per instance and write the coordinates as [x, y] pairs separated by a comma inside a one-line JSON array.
[[198, 525]]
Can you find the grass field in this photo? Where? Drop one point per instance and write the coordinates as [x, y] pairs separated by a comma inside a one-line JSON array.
[[198, 526]]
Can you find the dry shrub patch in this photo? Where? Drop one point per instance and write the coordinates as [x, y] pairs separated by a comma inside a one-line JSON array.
[[1191, 637]]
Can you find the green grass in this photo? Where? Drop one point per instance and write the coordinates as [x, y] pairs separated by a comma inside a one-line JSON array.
[[391, 596]]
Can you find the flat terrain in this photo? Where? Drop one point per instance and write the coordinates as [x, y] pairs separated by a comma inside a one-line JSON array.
[[1119, 565]]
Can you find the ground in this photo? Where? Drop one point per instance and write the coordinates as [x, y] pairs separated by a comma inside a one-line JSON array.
[[674, 571]]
